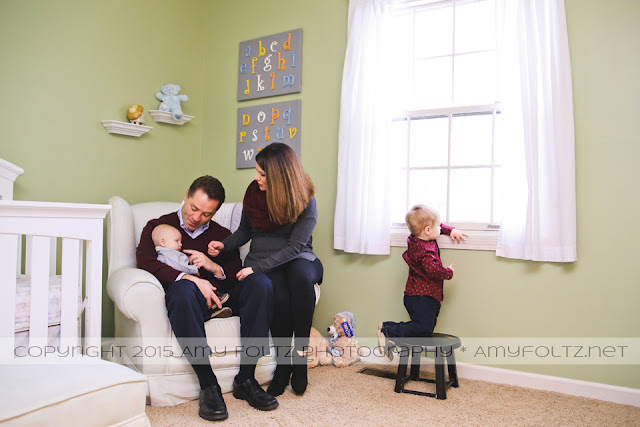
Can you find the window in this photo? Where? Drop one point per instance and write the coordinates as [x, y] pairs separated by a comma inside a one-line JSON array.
[[445, 145], [442, 71]]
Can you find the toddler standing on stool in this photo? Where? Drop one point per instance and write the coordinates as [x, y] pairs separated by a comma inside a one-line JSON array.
[[423, 292]]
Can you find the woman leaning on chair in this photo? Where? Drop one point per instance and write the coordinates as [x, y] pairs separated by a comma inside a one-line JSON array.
[[279, 215]]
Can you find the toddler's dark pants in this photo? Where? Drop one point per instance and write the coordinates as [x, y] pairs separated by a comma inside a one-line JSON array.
[[423, 311]]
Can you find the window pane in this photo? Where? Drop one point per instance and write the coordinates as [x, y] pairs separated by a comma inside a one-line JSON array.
[[474, 81], [429, 139], [434, 32], [398, 196], [475, 26], [432, 83], [444, 57], [470, 195], [500, 152], [497, 196], [399, 143], [429, 187], [471, 140]]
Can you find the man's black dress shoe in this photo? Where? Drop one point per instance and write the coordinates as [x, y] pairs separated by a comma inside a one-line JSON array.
[[212, 406], [251, 391]]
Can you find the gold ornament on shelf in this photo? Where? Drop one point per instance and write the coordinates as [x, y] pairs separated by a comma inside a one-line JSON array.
[[135, 115]]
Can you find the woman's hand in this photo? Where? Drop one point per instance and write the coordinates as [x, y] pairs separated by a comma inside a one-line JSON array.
[[242, 274], [200, 260], [206, 288], [215, 247], [457, 235]]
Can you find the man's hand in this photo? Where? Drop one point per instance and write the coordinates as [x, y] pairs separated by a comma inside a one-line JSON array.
[[215, 247], [200, 260], [207, 290], [457, 235], [242, 274]]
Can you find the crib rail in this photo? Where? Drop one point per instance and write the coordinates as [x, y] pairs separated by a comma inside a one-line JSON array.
[[79, 228]]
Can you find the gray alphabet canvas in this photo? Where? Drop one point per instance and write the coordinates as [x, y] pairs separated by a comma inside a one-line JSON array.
[[270, 65], [260, 125]]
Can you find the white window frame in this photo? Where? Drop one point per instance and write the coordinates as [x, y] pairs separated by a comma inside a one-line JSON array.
[[481, 236]]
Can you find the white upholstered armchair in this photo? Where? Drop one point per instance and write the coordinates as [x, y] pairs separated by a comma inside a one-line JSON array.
[[144, 340]]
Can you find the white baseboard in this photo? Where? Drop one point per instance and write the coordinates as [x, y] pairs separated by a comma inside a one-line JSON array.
[[608, 393]]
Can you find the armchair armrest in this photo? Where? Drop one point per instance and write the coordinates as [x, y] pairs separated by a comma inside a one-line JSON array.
[[128, 281]]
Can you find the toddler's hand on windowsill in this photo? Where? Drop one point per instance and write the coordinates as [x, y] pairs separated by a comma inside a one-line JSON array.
[[457, 235]]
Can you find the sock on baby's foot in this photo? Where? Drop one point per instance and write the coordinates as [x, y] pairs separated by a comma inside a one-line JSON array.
[[222, 297]]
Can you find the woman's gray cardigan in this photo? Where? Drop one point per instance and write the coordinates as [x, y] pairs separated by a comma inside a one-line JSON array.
[[271, 249]]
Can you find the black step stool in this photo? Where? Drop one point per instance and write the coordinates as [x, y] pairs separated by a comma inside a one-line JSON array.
[[442, 345]]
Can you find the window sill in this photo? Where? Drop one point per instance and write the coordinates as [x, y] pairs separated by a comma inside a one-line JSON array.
[[481, 237]]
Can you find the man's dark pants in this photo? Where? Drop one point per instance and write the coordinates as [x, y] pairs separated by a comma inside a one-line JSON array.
[[187, 311]]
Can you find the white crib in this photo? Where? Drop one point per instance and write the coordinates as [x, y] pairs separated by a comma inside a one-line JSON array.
[[42, 227], [51, 263]]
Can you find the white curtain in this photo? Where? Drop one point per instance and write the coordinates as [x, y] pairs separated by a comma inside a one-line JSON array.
[[362, 221], [539, 219]]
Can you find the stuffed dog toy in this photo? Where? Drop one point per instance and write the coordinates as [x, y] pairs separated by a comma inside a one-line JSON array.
[[344, 347]]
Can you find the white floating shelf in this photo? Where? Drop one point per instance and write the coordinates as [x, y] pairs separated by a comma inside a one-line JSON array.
[[124, 128], [167, 117]]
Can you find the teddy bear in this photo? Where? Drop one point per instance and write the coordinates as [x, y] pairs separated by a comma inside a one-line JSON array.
[[318, 352], [343, 347], [171, 100]]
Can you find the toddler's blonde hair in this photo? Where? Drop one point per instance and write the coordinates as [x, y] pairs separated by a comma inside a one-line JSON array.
[[419, 216]]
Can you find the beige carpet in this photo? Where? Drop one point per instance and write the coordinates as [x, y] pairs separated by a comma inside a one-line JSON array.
[[342, 396]]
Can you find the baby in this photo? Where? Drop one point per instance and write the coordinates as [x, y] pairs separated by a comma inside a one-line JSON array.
[[168, 243]]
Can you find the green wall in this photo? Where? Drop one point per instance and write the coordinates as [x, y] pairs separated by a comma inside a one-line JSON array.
[[69, 64]]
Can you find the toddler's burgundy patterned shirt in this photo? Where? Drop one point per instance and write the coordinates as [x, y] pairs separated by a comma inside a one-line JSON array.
[[426, 272]]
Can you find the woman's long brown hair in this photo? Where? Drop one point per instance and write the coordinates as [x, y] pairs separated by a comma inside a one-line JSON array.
[[289, 188]]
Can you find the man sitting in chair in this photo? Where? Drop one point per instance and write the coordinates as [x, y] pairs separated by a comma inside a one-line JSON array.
[[191, 300]]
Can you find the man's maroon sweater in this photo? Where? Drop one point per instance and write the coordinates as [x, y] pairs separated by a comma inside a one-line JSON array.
[[146, 256]]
